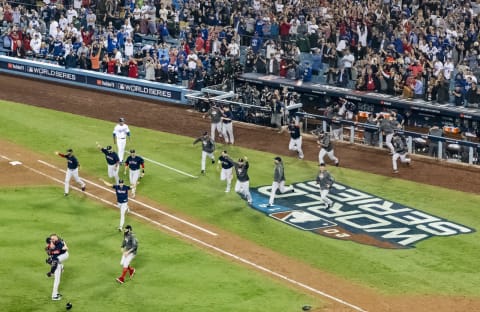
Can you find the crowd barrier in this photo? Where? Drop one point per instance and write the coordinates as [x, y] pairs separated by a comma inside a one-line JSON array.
[[91, 79], [417, 143]]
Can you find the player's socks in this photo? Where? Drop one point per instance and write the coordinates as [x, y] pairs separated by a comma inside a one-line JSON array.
[[124, 272]]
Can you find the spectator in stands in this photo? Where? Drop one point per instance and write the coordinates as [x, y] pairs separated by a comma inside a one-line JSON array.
[[458, 97]]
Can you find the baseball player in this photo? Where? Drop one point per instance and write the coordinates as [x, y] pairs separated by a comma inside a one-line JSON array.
[[295, 143], [121, 191], [400, 151], [325, 182], [120, 134], [129, 251], [208, 149], [242, 186], [227, 169], [326, 148], [278, 181], [72, 170], [388, 126], [227, 127], [134, 163], [113, 161], [215, 114], [57, 250]]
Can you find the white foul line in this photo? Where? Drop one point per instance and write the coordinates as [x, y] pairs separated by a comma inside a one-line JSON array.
[[253, 264], [171, 168], [217, 249], [140, 203]]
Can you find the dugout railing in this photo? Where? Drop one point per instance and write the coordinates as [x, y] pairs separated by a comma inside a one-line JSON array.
[[448, 149]]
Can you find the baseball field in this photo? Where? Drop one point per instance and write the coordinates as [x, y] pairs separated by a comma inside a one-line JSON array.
[[201, 249]]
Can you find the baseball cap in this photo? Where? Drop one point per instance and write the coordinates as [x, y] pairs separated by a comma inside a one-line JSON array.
[[121, 119], [132, 151], [69, 150], [128, 227], [278, 159], [120, 181], [205, 133]]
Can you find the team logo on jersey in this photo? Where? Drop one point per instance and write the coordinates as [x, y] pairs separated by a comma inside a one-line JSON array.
[[355, 216]]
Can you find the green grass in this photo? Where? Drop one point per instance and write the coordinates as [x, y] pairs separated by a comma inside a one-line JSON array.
[[171, 275], [446, 265]]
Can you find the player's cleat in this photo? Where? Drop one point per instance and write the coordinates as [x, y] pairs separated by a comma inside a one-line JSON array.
[[120, 280], [132, 272], [83, 189], [57, 297], [270, 205], [395, 171], [293, 190], [120, 229], [227, 191], [49, 274], [337, 164], [202, 172], [329, 205], [213, 161], [66, 194]]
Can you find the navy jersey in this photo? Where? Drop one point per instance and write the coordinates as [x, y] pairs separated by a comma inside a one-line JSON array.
[[228, 117], [121, 192], [134, 163], [242, 171], [226, 162], [56, 248], [110, 156], [294, 131], [72, 162]]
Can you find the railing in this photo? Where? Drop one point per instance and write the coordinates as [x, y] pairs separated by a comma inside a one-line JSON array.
[[418, 143]]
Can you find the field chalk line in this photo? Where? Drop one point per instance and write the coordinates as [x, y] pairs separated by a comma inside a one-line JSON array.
[[139, 203], [168, 167], [217, 249]]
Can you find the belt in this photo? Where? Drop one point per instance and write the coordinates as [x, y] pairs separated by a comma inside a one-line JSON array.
[[121, 138]]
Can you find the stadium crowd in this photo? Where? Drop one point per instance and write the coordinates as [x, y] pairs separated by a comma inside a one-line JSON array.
[[425, 49]]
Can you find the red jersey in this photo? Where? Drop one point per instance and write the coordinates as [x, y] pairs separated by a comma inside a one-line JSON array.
[[111, 66], [132, 69]]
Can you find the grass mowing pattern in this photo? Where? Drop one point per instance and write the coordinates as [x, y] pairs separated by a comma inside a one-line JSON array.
[[436, 266], [171, 275]]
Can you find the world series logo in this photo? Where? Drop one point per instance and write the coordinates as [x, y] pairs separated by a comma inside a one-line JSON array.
[[355, 216]]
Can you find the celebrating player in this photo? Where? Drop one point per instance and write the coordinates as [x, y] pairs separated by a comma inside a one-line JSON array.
[[113, 161], [278, 180], [227, 170], [325, 182], [57, 251], [133, 163], [208, 148], [129, 251], [121, 191], [72, 170]]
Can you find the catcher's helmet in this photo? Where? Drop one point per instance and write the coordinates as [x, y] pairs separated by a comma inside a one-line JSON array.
[[68, 306]]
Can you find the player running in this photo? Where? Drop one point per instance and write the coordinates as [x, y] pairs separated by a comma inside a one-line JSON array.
[[227, 169], [129, 251], [208, 149], [113, 161], [121, 191], [134, 163], [278, 181], [72, 170]]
